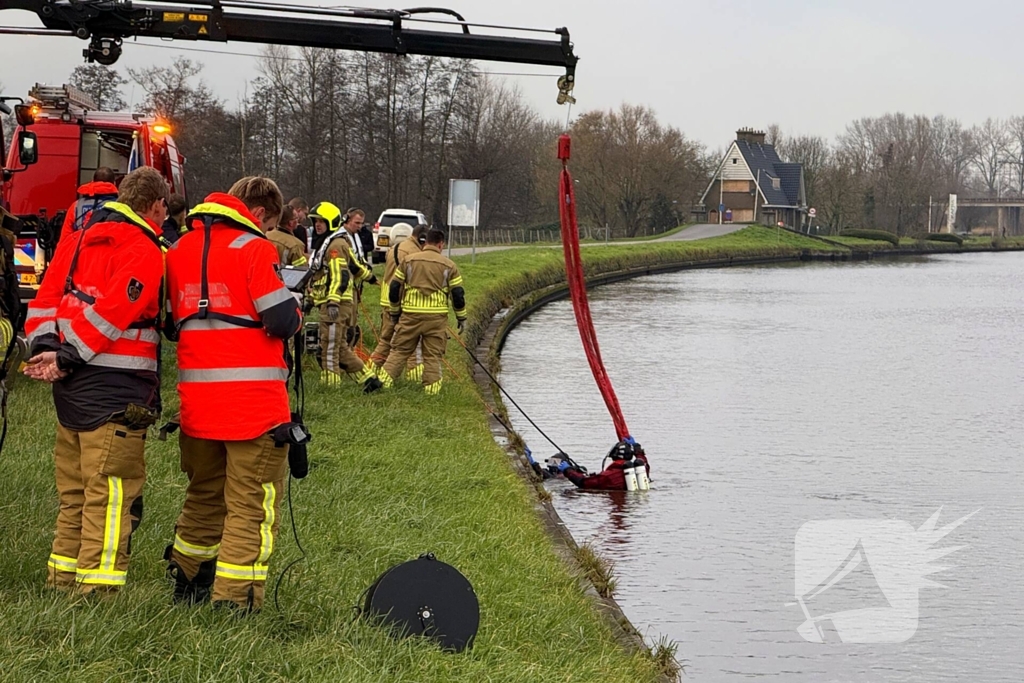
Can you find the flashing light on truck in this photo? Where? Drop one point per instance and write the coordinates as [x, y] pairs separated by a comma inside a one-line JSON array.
[[60, 140]]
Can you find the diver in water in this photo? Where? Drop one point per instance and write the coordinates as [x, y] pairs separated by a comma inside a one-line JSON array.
[[625, 456]]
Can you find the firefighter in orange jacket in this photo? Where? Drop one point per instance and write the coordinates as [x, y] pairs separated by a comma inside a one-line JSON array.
[[90, 197], [233, 315], [93, 331]]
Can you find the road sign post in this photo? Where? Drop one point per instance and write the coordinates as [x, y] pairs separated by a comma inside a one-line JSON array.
[[464, 208]]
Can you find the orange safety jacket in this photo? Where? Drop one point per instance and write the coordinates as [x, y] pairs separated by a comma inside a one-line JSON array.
[[90, 197], [232, 313], [98, 308]]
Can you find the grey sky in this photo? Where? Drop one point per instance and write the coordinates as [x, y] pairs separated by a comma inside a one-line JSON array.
[[705, 67]]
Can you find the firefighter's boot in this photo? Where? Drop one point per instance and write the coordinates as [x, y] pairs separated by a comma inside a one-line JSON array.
[[193, 591], [372, 384]]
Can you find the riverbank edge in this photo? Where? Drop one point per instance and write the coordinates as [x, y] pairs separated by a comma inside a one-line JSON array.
[[502, 314]]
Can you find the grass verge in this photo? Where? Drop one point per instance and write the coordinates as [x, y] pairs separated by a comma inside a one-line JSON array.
[[394, 475]]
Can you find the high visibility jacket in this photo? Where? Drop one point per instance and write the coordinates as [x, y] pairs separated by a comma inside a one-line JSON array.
[[290, 251], [429, 280], [232, 371], [342, 270], [90, 197], [395, 257], [98, 308]]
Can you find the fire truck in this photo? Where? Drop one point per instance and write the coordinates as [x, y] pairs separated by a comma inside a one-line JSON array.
[[60, 140]]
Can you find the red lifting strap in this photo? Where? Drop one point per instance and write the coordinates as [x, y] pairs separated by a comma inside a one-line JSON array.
[[578, 290]]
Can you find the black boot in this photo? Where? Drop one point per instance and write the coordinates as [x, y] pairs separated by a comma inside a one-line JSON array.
[[193, 591], [182, 585], [371, 385], [202, 584]]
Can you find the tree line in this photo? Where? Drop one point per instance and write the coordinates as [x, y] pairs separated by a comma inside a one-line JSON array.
[[381, 131], [384, 131]]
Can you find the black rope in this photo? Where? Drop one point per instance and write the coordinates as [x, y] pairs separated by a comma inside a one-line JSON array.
[[300, 398], [298, 543], [519, 408]]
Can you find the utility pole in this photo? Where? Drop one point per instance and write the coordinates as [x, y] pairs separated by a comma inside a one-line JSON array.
[[757, 191], [721, 192], [929, 213]]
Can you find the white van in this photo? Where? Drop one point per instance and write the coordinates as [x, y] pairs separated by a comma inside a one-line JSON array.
[[382, 229]]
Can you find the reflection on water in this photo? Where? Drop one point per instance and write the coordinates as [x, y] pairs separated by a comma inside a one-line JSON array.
[[771, 397]]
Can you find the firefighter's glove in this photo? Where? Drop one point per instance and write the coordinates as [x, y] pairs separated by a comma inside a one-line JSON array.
[[139, 417], [372, 280], [461, 323], [333, 313]]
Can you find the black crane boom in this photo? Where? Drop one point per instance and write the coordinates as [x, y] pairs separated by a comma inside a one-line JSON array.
[[106, 23]]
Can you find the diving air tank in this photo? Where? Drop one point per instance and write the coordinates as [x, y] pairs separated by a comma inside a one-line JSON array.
[[630, 473], [640, 472]]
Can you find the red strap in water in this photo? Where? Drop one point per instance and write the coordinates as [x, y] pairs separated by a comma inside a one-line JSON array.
[[578, 290]]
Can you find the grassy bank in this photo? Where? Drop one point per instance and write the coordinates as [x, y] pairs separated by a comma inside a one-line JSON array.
[[395, 475], [913, 244]]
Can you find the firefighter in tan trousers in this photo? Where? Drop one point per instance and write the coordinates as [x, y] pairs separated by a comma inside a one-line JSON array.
[[233, 316], [93, 331], [395, 257], [419, 295], [334, 293]]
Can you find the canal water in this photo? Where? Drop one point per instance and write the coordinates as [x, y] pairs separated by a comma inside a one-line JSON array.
[[804, 423]]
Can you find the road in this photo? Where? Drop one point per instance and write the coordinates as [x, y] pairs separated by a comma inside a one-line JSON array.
[[694, 232]]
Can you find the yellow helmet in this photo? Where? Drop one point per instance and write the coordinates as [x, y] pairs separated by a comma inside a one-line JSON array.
[[328, 213]]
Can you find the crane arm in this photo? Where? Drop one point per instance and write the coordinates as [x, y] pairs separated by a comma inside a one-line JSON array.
[[106, 23]]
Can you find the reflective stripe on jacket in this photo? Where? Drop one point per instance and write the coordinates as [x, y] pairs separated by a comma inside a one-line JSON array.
[[428, 278], [100, 318], [394, 258], [343, 271], [231, 375]]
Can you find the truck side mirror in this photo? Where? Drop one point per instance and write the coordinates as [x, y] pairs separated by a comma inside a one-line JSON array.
[[28, 152]]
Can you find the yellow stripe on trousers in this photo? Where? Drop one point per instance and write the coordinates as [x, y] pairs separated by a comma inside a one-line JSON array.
[[107, 573], [267, 527], [112, 524]]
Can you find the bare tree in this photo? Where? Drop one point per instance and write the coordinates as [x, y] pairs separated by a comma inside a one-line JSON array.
[[991, 147], [102, 84]]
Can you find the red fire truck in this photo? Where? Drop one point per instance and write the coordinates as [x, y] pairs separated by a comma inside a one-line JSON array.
[[60, 140]]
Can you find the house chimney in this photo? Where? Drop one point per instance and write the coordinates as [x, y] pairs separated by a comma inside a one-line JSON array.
[[754, 137]]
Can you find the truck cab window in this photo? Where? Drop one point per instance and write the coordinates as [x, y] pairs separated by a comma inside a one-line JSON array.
[[103, 148]]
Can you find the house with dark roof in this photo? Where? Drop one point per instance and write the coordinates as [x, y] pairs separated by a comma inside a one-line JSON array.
[[753, 185]]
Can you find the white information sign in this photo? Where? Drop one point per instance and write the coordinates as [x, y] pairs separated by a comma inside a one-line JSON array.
[[463, 203], [464, 207]]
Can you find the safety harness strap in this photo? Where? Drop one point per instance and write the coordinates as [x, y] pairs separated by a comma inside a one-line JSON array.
[[121, 214], [204, 312]]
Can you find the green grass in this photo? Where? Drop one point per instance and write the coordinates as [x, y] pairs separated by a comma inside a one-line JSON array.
[[594, 240], [395, 475]]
